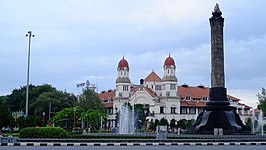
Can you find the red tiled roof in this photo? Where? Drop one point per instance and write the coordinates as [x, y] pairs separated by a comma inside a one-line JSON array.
[[152, 77], [150, 91], [193, 91], [189, 103], [197, 92], [246, 106], [134, 89], [110, 94]]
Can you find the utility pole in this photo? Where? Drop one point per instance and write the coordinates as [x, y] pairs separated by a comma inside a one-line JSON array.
[[29, 34]]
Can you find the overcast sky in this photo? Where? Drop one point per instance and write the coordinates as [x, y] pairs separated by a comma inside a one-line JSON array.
[[79, 40]]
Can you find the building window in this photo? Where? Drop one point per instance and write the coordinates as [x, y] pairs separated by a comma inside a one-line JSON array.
[[158, 87], [173, 110], [183, 110], [205, 98], [200, 110], [151, 86], [161, 110], [163, 87], [111, 111], [172, 86], [125, 88], [192, 110], [188, 97], [120, 94]]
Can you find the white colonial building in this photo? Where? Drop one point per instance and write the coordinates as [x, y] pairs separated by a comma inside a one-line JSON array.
[[162, 96]]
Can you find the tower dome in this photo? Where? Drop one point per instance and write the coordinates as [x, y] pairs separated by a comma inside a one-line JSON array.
[[169, 61], [123, 63]]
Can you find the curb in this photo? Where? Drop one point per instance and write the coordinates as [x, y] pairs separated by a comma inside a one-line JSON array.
[[131, 144]]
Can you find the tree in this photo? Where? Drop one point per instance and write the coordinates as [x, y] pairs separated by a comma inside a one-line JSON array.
[[93, 117], [164, 122], [182, 123], [66, 115], [157, 122], [152, 126], [141, 113], [40, 98], [262, 101], [172, 123], [30, 121], [57, 99], [5, 116], [90, 100], [190, 122]]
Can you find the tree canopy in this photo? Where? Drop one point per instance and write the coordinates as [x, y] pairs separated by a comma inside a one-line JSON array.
[[262, 101], [41, 97], [90, 100]]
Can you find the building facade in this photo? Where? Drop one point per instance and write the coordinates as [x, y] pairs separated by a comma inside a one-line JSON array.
[[162, 96]]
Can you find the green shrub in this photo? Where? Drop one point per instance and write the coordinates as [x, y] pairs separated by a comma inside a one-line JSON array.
[[43, 132]]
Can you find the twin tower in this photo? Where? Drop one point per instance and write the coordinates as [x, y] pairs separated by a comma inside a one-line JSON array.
[[167, 88]]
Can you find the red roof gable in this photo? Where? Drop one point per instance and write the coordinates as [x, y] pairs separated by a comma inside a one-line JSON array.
[[152, 77], [136, 88]]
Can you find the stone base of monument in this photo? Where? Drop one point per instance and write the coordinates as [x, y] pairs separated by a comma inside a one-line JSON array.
[[219, 115]]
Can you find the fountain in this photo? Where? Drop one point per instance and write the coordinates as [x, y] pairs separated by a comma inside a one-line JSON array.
[[260, 122], [126, 119]]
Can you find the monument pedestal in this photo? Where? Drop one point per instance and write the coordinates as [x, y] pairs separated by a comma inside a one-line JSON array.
[[218, 114]]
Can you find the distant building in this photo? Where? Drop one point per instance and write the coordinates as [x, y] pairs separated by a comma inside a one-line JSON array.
[[162, 96]]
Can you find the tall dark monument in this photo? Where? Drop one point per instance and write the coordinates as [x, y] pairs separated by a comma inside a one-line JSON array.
[[218, 113]]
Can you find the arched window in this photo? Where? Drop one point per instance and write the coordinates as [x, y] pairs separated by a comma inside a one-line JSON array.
[[173, 110]]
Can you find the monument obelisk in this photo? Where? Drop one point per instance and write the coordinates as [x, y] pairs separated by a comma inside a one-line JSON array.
[[218, 114], [218, 90]]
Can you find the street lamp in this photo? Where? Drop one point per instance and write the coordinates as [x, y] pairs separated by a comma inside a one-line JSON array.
[[145, 121], [28, 72], [43, 117], [75, 118]]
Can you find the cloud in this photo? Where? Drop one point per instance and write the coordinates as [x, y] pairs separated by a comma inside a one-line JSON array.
[[78, 39]]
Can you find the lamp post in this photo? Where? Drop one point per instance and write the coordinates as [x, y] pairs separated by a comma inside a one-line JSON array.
[[145, 121], [29, 34], [75, 118], [43, 117]]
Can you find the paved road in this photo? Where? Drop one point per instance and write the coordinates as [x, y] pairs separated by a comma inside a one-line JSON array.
[[229, 147]]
